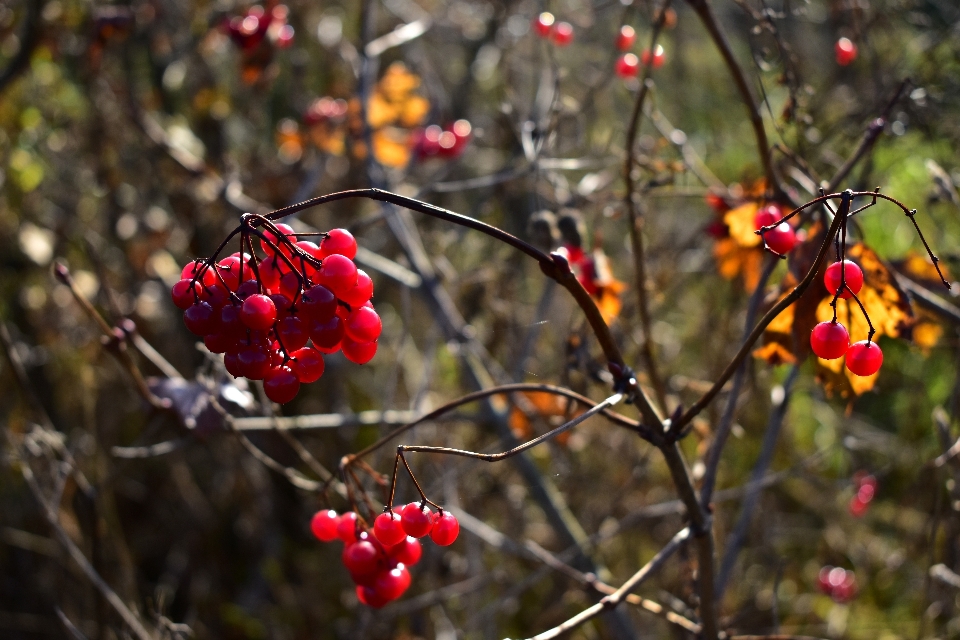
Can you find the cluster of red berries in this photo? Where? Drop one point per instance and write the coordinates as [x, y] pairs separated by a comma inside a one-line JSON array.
[[378, 562], [628, 64], [249, 29], [845, 51], [838, 583], [545, 25], [261, 313], [782, 238], [866, 490], [830, 340], [443, 143], [325, 109]]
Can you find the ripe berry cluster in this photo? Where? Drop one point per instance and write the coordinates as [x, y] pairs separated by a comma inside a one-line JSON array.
[[249, 30], [628, 64], [262, 312], [545, 25], [866, 490], [378, 562], [443, 143], [838, 583]]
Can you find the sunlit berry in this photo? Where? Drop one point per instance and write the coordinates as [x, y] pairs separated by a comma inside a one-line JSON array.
[[864, 358], [388, 529], [324, 524], [845, 51], [852, 278], [562, 34], [445, 530], [626, 37], [417, 521], [829, 340], [543, 24], [627, 65]]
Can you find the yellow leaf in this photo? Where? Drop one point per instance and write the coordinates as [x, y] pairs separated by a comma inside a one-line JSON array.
[[740, 222], [414, 111], [734, 260], [392, 147]]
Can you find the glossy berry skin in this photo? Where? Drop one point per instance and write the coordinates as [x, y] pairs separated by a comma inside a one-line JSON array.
[[359, 294], [324, 525], [543, 24], [258, 312], [445, 530], [829, 340], [191, 270], [254, 362], [852, 277], [358, 352], [293, 333], [184, 293], [340, 242], [363, 325], [327, 335], [656, 59], [408, 551], [318, 304], [845, 51], [369, 596], [562, 34], [390, 585], [781, 239], [388, 529], [347, 527], [767, 216], [864, 358], [281, 385], [307, 364], [360, 558], [626, 37], [627, 66], [279, 240], [199, 318], [416, 522], [338, 273]]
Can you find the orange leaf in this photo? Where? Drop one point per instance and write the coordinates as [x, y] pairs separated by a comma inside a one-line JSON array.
[[734, 260], [740, 222], [392, 147]]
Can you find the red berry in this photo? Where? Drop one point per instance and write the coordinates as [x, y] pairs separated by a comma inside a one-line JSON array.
[[657, 59], [328, 334], [340, 242], [829, 340], [388, 530], [199, 318], [363, 325], [347, 527], [416, 522], [626, 37], [254, 362], [767, 216], [258, 312], [445, 530], [229, 270], [864, 358], [857, 507], [289, 285], [216, 295], [846, 51], [185, 292], [286, 234], [543, 24], [370, 597], [310, 248], [391, 584], [361, 558], [281, 385], [338, 273], [318, 303], [271, 271], [283, 305], [230, 324], [358, 352], [194, 267], [408, 551], [781, 239], [308, 364], [823, 579], [627, 65], [359, 294], [562, 34], [231, 362], [324, 525], [293, 334], [852, 276], [217, 342]]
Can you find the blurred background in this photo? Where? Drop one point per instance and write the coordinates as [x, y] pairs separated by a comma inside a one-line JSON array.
[[134, 134]]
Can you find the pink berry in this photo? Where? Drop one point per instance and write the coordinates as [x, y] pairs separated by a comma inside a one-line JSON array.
[[626, 37], [864, 358], [852, 276], [388, 530], [446, 528], [627, 65], [258, 312], [281, 385], [829, 340], [324, 525], [846, 51], [416, 522], [562, 34], [543, 24], [340, 242], [781, 239]]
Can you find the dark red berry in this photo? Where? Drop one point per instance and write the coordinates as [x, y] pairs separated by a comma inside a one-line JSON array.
[[218, 342], [231, 361], [358, 352], [281, 385], [254, 362], [388, 530], [370, 597], [416, 521], [318, 303], [327, 335], [324, 524], [216, 295], [360, 558], [293, 334], [230, 324], [391, 584], [829, 340], [247, 289], [340, 242], [308, 364], [258, 312], [199, 318], [864, 358]]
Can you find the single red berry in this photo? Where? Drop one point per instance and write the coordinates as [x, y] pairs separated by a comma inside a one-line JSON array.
[[328, 334], [308, 364], [864, 358], [857, 507], [359, 294], [846, 51], [338, 273], [258, 312], [562, 34], [358, 352], [543, 24], [231, 362], [216, 295], [626, 37], [271, 270], [829, 340], [391, 584], [627, 65], [254, 362], [846, 589], [190, 271], [324, 525], [230, 324], [199, 318], [281, 385], [339, 242], [852, 277], [247, 289], [767, 216], [361, 558], [318, 303], [781, 239], [310, 248], [445, 530], [407, 551], [416, 521], [217, 342], [185, 293], [347, 527], [283, 305], [289, 285], [369, 596], [388, 530], [866, 492], [229, 269], [656, 60], [293, 333], [363, 325], [279, 240]]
